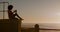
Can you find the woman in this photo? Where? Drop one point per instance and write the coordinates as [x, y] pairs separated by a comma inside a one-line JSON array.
[[11, 14]]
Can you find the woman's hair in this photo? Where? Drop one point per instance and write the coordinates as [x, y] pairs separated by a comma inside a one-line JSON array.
[[10, 7]]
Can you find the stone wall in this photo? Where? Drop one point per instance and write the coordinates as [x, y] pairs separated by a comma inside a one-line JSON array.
[[7, 26]]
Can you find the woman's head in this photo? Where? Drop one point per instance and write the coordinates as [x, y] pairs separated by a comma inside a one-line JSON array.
[[10, 7]]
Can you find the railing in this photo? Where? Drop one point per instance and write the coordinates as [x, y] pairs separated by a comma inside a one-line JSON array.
[[37, 29], [3, 8]]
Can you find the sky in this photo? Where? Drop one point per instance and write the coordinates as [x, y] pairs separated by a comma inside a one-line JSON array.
[[37, 11]]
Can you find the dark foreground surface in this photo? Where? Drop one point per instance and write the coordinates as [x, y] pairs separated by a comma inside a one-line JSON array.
[[6, 26]]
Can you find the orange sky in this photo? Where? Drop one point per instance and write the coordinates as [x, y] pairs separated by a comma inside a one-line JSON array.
[[37, 11]]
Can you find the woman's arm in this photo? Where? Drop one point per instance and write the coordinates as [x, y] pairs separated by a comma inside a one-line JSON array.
[[18, 16]]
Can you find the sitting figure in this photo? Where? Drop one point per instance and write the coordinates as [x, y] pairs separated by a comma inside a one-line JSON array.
[[13, 14]]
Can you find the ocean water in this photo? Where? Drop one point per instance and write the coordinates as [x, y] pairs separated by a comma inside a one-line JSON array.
[[49, 31]]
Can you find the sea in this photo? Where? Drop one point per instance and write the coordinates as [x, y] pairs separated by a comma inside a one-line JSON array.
[[49, 30]]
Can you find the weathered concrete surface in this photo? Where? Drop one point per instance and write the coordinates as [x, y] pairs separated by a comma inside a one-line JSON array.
[[7, 26]]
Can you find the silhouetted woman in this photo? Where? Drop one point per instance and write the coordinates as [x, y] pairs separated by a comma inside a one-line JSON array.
[[11, 14]]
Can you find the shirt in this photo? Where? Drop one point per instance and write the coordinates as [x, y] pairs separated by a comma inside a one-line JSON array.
[[10, 14]]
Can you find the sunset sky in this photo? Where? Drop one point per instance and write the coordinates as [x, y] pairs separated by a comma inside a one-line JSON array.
[[37, 11]]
